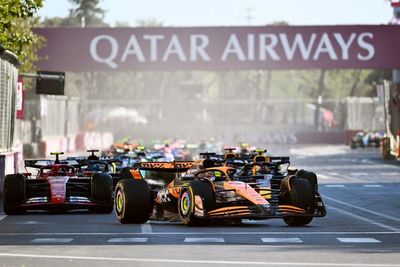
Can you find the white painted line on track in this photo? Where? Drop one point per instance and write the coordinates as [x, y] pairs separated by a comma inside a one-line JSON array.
[[361, 218], [282, 240], [333, 173], [334, 185], [204, 262], [2, 216], [358, 240], [391, 173], [128, 240], [380, 214], [358, 173], [372, 185], [51, 240], [146, 228], [207, 233], [203, 240], [323, 176]]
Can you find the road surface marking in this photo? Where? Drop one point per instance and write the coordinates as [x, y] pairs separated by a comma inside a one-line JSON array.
[[128, 240], [363, 209], [358, 240], [146, 228], [391, 173], [358, 173], [204, 262], [2, 216], [361, 218], [323, 176], [282, 240], [207, 233], [51, 240], [372, 185], [334, 185], [333, 173], [203, 240]]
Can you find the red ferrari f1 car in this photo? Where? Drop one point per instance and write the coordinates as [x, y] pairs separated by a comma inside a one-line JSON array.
[[56, 187]]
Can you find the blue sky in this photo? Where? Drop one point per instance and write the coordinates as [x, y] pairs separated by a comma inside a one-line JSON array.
[[236, 12]]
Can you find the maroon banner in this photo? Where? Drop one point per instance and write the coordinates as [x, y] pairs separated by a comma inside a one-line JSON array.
[[221, 48]]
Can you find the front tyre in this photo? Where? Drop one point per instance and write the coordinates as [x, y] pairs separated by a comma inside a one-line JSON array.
[[14, 193], [101, 187], [187, 202], [133, 201], [301, 195]]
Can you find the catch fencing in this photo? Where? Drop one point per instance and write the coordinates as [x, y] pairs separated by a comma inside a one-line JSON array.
[[272, 119], [8, 82]]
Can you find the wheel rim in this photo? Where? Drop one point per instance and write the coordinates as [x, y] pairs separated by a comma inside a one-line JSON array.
[[185, 203], [119, 201]]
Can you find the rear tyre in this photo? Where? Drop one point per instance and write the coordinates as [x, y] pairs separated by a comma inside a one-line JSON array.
[[302, 196], [186, 202], [101, 187], [133, 201], [14, 193]]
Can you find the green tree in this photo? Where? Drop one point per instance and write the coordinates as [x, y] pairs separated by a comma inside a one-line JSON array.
[[16, 23], [88, 12]]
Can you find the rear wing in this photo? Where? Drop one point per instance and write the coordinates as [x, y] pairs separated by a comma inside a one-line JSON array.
[[37, 163], [175, 166], [279, 160]]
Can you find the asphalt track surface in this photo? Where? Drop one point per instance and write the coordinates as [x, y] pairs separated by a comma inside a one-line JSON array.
[[362, 227]]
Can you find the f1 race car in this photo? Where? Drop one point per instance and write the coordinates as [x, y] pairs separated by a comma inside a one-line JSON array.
[[366, 139], [57, 187], [206, 190]]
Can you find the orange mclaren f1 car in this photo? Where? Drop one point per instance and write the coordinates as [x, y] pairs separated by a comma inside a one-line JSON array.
[[205, 190]]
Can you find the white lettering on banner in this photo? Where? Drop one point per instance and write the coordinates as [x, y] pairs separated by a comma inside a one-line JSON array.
[[365, 45], [252, 47], [344, 45], [153, 45], [133, 48], [325, 46], [297, 42], [233, 46], [265, 48], [174, 47], [113, 53], [198, 48]]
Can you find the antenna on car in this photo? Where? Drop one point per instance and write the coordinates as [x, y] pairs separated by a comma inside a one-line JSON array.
[[230, 149], [57, 161], [93, 156], [260, 152]]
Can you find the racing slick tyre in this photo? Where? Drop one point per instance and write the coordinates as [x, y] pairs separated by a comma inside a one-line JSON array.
[[301, 195], [14, 193], [133, 201], [311, 177], [186, 202], [101, 186]]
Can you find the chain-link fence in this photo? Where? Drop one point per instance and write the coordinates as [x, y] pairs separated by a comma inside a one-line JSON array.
[[48, 118], [365, 113], [8, 83], [224, 118]]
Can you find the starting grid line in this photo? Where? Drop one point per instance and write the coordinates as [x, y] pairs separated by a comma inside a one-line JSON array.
[[344, 185], [203, 233], [190, 261], [268, 240]]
